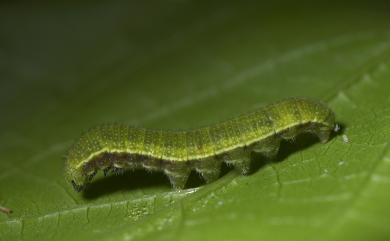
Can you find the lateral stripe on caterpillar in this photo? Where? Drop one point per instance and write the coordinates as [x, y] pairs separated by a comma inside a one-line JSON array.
[[118, 147]]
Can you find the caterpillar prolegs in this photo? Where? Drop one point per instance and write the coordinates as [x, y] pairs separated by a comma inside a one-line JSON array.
[[117, 147]]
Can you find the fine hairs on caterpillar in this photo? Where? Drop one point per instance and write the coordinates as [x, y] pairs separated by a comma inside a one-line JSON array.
[[118, 147]]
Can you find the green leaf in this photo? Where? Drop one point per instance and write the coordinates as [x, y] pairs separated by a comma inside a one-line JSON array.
[[178, 64]]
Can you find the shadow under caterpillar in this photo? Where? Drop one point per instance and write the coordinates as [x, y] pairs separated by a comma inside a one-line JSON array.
[[118, 147]]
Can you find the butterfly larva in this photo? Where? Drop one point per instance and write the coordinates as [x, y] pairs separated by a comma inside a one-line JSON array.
[[116, 147]]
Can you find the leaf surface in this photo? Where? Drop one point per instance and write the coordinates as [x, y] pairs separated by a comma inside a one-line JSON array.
[[180, 64]]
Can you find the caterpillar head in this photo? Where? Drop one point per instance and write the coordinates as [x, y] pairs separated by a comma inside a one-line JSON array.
[[76, 172], [75, 177], [74, 168]]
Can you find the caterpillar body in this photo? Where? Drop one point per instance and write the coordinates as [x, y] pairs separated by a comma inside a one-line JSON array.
[[117, 147]]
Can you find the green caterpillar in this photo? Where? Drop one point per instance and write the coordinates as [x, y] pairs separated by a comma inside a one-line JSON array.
[[116, 147]]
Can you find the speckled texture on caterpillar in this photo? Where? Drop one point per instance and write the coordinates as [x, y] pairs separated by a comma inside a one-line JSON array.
[[118, 147]]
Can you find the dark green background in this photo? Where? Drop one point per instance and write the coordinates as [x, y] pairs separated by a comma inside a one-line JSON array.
[[66, 67]]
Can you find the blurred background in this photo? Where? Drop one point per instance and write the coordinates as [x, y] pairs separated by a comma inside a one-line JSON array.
[[66, 67]]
